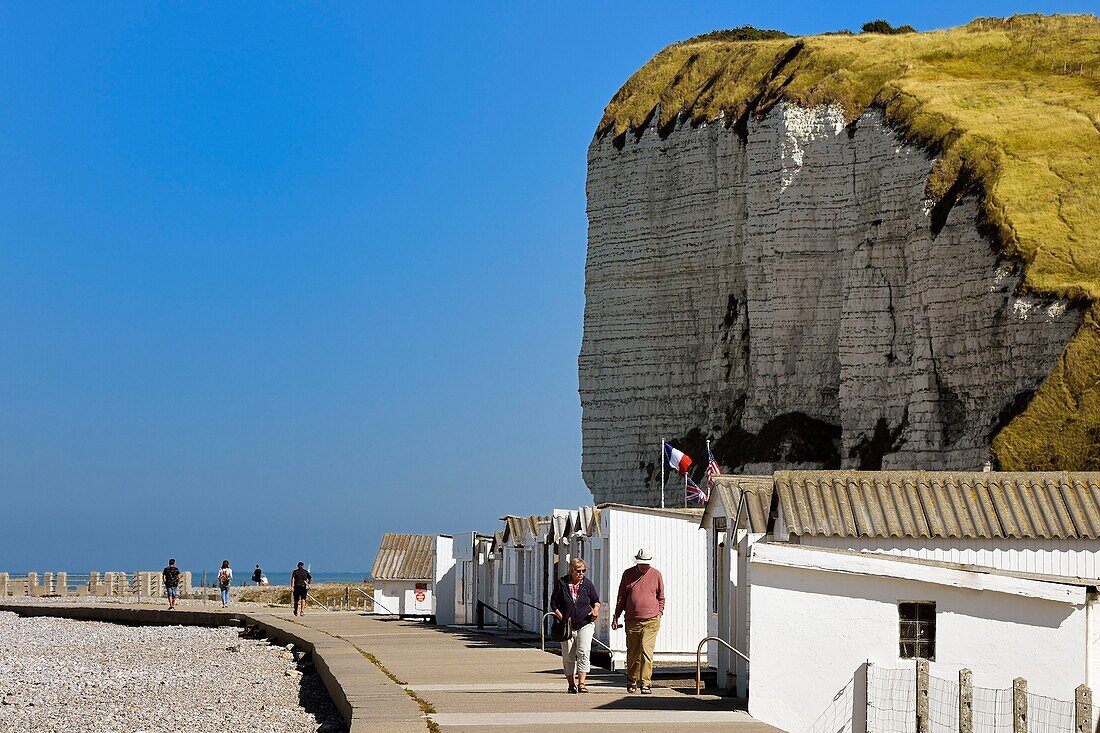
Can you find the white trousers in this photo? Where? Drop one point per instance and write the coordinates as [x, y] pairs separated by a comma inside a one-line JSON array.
[[576, 651]]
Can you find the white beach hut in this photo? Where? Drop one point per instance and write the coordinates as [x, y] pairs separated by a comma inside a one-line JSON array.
[[524, 570], [405, 573], [865, 572], [680, 553], [472, 575], [735, 518]]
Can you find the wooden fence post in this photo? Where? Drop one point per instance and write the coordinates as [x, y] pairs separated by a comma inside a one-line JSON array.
[[1019, 705], [966, 701], [1082, 710], [923, 724]]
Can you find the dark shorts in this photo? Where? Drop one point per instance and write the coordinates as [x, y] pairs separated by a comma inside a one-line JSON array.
[[300, 593]]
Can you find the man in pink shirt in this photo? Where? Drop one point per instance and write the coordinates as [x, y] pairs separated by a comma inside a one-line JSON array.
[[642, 597]]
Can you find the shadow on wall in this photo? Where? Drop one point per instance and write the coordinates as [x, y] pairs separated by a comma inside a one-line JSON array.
[[848, 710]]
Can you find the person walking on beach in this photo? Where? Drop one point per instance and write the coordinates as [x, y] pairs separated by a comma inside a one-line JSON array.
[[642, 597], [299, 581], [575, 600], [171, 577], [225, 578], [257, 575]]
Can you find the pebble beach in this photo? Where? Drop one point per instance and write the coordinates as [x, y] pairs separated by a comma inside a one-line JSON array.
[[62, 676]]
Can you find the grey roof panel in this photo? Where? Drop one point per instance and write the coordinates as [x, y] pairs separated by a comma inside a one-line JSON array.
[[758, 504], [404, 557], [941, 504]]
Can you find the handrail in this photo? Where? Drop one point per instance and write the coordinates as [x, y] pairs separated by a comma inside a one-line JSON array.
[[309, 596], [522, 603], [482, 605], [542, 629], [699, 658]]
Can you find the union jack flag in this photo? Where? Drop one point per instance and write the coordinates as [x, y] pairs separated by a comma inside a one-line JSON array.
[[694, 493], [713, 469]]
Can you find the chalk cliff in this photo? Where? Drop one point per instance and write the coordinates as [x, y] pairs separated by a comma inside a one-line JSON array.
[[788, 289]]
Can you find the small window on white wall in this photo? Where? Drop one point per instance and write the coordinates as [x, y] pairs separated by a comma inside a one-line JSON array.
[[917, 630]]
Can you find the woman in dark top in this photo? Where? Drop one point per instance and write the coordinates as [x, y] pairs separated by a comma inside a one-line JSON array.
[[575, 599]]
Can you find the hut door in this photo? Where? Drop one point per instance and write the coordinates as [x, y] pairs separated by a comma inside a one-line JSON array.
[[722, 584]]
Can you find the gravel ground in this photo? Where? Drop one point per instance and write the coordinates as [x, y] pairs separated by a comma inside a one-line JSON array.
[[61, 676]]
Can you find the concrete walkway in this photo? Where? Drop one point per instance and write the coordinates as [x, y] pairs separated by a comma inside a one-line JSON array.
[[475, 681], [390, 676]]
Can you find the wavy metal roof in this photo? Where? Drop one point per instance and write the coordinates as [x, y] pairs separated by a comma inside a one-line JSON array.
[[404, 557], [757, 506], [940, 504]]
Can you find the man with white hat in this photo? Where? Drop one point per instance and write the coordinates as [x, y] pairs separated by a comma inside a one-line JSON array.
[[642, 597]]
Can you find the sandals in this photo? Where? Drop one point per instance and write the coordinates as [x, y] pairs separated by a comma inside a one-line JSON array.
[[632, 688], [572, 689], [582, 688], [647, 690]]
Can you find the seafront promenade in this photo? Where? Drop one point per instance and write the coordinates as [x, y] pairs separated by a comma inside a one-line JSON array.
[[392, 676]]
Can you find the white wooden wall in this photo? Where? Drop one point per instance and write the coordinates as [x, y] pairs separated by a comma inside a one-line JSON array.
[[680, 553], [1074, 558]]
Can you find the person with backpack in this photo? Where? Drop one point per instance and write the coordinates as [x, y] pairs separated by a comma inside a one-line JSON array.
[[171, 577], [299, 581], [257, 575], [225, 579]]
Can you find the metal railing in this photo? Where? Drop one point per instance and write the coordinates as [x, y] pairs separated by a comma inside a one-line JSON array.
[[311, 597], [699, 658], [482, 605], [508, 607], [542, 629]]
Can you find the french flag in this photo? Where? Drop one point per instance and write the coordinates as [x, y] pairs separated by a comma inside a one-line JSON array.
[[676, 460]]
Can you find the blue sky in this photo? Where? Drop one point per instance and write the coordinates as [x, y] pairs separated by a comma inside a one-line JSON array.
[[276, 279]]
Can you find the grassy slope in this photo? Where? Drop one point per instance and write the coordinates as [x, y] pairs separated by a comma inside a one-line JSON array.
[[1013, 106]]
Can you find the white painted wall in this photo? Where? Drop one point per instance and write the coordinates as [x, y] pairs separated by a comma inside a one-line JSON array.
[[1073, 558], [727, 595], [680, 554], [811, 630], [443, 588], [399, 596]]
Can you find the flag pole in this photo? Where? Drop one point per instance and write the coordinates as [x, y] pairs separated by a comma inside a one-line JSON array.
[[663, 469], [685, 490]]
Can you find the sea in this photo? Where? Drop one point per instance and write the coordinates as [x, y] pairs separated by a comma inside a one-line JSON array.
[[243, 576]]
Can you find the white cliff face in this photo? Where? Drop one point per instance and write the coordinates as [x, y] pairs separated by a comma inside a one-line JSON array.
[[791, 295]]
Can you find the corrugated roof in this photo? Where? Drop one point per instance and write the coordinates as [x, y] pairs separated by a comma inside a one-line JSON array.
[[667, 511], [940, 504], [517, 530], [757, 506], [404, 557]]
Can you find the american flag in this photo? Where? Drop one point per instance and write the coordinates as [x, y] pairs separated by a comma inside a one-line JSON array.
[[694, 493], [713, 469]]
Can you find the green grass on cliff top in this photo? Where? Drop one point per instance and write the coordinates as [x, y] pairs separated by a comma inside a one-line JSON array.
[[1012, 106]]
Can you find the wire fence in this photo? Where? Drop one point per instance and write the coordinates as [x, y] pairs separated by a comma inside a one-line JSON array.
[[892, 707], [837, 718], [891, 700]]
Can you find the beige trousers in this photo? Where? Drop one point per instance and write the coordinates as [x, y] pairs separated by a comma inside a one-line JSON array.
[[641, 637]]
